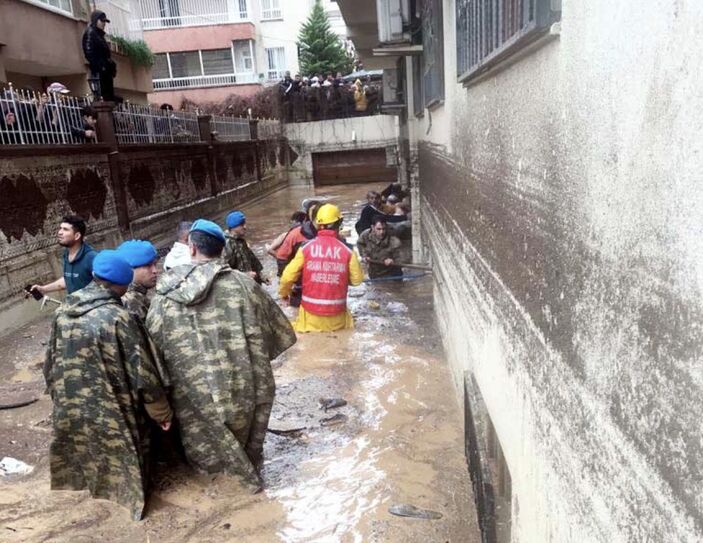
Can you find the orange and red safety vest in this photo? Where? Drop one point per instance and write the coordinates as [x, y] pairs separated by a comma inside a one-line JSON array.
[[325, 274]]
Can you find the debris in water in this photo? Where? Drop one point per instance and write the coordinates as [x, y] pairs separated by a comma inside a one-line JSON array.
[[374, 305], [331, 403], [18, 404], [407, 510], [292, 432], [12, 466], [336, 419]]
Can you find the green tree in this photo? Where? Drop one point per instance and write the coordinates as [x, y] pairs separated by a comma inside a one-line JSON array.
[[320, 50]]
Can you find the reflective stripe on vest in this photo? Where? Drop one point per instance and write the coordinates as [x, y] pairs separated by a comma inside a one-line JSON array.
[[325, 274]]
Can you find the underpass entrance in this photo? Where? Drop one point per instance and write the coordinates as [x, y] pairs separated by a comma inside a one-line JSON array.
[[358, 166]]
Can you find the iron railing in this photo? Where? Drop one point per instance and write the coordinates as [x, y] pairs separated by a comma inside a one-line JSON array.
[[325, 103], [32, 118], [489, 30], [144, 124], [230, 128], [156, 14], [205, 81]]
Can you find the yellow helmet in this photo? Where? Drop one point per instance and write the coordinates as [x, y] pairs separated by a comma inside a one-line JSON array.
[[328, 214]]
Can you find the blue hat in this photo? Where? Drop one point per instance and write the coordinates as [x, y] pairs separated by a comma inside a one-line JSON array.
[[235, 219], [110, 265], [137, 252], [208, 227]]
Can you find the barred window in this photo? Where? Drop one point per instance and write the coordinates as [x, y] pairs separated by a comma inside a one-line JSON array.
[[271, 9], [488, 31], [276, 57], [217, 61], [432, 52]]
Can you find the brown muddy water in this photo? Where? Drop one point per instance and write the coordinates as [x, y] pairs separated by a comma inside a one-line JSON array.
[[401, 440]]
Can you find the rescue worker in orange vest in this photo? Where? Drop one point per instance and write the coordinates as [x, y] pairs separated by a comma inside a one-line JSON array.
[[328, 266]]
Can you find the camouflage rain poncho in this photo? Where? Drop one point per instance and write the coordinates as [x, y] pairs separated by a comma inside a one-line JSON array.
[[99, 373], [136, 300], [240, 257], [217, 331]]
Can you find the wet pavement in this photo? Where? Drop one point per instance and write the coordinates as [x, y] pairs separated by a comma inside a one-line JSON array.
[[399, 441]]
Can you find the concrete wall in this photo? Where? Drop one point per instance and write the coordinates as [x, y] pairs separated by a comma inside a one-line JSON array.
[[561, 201], [162, 185], [353, 133]]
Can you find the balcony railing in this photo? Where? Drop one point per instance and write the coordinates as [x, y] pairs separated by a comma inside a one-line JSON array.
[[158, 14], [124, 18], [230, 128], [205, 81]]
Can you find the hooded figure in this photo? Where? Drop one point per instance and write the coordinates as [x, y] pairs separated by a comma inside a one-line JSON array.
[[102, 380], [96, 50], [218, 331]]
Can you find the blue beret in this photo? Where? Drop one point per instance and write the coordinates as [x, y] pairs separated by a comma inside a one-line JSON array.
[[208, 227], [111, 266], [138, 252], [235, 219]]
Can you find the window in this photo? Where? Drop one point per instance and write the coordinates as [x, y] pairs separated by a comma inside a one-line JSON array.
[[276, 62], [243, 60], [185, 64], [271, 9], [217, 62], [160, 68], [243, 9], [432, 52], [487, 31]]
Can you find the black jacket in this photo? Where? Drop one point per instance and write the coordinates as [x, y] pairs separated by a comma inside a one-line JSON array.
[[95, 46]]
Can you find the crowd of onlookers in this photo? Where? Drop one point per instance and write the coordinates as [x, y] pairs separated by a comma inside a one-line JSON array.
[[327, 97]]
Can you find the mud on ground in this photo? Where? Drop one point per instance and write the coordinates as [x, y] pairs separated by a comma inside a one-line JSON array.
[[401, 441]]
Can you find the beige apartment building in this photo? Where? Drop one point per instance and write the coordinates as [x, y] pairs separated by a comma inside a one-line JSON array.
[[40, 42]]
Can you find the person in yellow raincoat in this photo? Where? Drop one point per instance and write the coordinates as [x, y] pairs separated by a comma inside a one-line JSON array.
[[328, 266]]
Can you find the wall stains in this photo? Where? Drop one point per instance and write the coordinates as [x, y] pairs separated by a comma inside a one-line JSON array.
[[250, 163], [141, 184], [86, 193], [22, 207], [198, 173], [237, 164]]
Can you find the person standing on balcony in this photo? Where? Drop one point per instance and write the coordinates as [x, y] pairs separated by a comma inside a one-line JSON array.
[[97, 52]]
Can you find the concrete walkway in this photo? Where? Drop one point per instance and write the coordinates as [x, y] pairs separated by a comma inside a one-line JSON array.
[[401, 440]]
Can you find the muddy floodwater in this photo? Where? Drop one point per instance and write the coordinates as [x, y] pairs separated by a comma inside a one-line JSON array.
[[399, 441]]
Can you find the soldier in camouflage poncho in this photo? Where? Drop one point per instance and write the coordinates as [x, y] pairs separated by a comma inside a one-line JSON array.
[[217, 331], [101, 378], [237, 252]]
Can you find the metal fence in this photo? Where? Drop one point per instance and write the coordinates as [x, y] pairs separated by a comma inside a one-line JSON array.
[[230, 128], [145, 124], [269, 129], [32, 118], [205, 81], [488, 30]]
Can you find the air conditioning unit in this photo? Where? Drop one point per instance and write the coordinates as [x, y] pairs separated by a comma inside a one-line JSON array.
[[393, 19]]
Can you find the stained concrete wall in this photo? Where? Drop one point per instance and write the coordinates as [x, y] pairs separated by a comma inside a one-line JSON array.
[[350, 134], [562, 205], [162, 184]]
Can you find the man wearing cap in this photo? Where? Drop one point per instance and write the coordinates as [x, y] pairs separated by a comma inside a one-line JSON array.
[[328, 266], [142, 256], [97, 53], [102, 379], [237, 252], [217, 332]]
